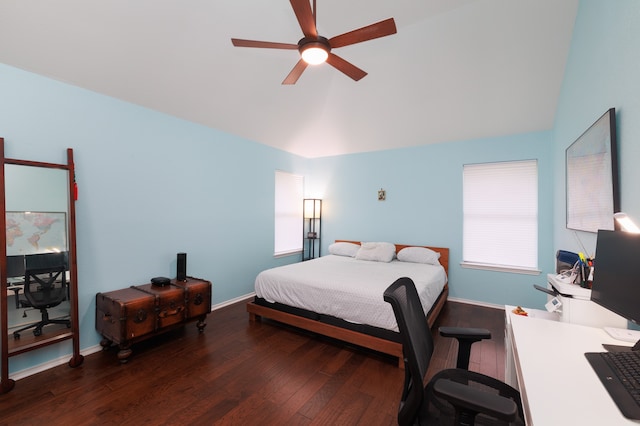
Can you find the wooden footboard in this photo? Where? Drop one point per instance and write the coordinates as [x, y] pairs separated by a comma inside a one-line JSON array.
[[350, 336], [437, 306], [371, 342]]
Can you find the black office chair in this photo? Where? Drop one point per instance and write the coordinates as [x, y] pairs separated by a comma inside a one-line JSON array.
[[45, 287], [454, 396]]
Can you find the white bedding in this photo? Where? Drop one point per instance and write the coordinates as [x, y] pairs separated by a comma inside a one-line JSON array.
[[348, 288]]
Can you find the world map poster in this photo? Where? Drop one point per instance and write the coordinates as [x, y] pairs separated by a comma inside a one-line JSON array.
[[36, 232]]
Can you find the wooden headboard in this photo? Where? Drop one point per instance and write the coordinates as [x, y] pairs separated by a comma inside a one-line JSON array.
[[444, 252]]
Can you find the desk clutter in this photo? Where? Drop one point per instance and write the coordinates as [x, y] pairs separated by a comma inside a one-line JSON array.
[[574, 268], [519, 311], [133, 314]]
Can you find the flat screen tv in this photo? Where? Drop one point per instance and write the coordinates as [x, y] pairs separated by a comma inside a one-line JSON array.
[[593, 194], [616, 284]]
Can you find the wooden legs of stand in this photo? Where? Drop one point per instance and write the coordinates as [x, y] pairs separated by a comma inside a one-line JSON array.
[[201, 324], [124, 348], [7, 385], [123, 354], [76, 361]]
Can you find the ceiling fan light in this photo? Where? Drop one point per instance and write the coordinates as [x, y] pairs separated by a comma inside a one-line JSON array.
[[314, 54]]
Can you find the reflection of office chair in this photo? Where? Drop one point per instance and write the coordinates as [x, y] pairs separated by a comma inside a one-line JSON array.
[[45, 286], [452, 396], [15, 268]]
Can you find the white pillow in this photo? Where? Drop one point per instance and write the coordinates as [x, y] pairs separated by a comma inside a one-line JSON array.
[[378, 252], [344, 249], [419, 255]]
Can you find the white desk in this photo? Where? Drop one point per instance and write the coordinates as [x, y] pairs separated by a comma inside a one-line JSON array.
[[579, 309], [557, 384]]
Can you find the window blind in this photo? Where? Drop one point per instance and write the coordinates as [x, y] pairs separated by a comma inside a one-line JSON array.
[[288, 213], [500, 214]]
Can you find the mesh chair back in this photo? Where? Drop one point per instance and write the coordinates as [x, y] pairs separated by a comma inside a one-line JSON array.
[[45, 290], [417, 345], [417, 403], [45, 279]]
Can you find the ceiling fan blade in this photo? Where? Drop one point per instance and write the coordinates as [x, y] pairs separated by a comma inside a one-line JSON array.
[[264, 44], [295, 73], [346, 67], [302, 9], [379, 29]]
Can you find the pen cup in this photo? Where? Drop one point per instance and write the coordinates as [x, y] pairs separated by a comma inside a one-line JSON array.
[[590, 277], [583, 275]]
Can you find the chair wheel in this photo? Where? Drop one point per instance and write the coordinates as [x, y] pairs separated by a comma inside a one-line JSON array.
[[69, 325], [16, 335], [37, 332]]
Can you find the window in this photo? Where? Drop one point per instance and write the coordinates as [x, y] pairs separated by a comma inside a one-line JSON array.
[[500, 216], [288, 213]]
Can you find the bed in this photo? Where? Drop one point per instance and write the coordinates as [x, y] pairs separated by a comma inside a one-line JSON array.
[[323, 295]]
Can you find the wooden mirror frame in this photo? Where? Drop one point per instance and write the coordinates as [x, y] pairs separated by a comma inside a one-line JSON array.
[[10, 348]]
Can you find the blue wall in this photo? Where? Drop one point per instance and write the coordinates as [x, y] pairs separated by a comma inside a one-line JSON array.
[[603, 71], [150, 186], [424, 206]]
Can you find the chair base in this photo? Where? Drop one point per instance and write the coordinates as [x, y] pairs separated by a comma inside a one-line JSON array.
[[37, 327]]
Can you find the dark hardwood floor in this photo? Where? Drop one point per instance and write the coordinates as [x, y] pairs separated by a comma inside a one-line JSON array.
[[239, 373]]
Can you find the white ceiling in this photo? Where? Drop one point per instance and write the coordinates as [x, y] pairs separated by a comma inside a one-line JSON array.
[[456, 69]]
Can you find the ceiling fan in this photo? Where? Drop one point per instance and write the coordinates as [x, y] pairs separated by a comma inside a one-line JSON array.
[[315, 49]]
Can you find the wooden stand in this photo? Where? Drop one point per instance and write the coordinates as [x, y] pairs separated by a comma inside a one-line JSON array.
[[257, 312], [133, 314]]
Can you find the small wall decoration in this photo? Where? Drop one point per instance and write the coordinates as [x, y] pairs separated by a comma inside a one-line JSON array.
[[382, 195]]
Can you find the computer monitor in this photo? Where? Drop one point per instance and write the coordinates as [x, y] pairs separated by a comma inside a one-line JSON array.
[[616, 275], [15, 266], [46, 260]]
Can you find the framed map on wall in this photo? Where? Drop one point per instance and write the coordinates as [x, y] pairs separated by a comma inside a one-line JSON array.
[[36, 232]]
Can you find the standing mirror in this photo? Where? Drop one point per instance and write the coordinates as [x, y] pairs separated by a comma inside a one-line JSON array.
[[38, 306]]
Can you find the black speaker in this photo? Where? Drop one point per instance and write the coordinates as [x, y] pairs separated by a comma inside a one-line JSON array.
[[181, 274]]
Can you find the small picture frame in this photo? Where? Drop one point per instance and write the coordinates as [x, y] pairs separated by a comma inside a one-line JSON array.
[[382, 195]]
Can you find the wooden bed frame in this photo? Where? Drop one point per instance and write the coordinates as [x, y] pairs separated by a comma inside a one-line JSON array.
[[256, 312]]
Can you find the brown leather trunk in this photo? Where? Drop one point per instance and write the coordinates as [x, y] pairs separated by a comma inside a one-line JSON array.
[[169, 303], [123, 316], [130, 315], [197, 297]]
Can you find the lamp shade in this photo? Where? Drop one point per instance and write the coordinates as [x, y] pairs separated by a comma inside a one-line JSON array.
[[314, 55], [312, 208], [626, 223], [314, 50]]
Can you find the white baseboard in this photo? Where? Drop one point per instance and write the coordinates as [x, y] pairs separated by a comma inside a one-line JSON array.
[[475, 302], [97, 348], [63, 359], [232, 301]]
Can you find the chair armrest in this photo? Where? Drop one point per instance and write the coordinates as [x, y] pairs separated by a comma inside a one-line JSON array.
[[466, 337], [465, 332], [471, 401]]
